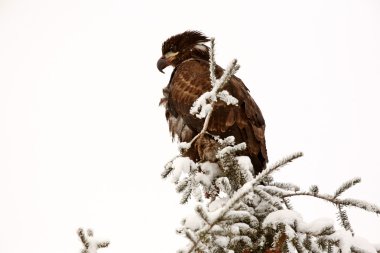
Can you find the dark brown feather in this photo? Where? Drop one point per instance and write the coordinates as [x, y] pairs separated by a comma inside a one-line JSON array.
[[183, 41]]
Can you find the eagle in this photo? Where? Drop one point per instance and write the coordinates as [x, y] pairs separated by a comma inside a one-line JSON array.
[[189, 54]]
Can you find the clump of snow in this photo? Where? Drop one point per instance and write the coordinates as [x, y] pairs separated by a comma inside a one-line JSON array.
[[235, 228], [228, 141], [245, 166], [222, 241], [209, 172], [184, 145], [286, 217], [245, 162], [231, 149], [194, 222], [204, 111], [347, 241], [202, 106], [317, 226], [363, 244], [93, 246], [291, 218], [217, 203], [227, 98], [181, 165]]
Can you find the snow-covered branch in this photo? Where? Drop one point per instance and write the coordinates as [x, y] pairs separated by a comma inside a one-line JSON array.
[[204, 105], [257, 212], [343, 202], [90, 244], [241, 193]]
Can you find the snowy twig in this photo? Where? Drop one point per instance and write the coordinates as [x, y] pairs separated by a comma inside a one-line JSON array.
[[169, 167], [346, 185], [212, 61], [343, 202], [344, 221], [270, 169], [200, 107], [90, 244]]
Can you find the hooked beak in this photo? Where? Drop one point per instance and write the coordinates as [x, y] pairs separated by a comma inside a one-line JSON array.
[[162, 63]]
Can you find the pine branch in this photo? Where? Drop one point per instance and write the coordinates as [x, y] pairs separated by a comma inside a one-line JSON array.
[[224, 185], [202, 213], [269, 170], [191, 236], [286, 186], [90, 245], [168, 167], [346, 185], [83, 238], [360, 204], [182, 185], [245, 189], [186, 195], [269, 194], [267, 197], [343, 218], [287, 203], [344, 202]]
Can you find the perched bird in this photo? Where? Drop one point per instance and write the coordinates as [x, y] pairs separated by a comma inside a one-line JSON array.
[[189, 55]]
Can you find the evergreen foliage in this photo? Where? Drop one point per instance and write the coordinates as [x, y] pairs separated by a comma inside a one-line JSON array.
[[90, 244], [237, 212]]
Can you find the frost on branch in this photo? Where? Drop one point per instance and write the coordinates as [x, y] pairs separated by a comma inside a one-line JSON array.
[[256, 218], [90, 244], [237, 212], [203, 106]]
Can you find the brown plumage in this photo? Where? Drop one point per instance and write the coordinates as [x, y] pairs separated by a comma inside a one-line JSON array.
[[189, 56]]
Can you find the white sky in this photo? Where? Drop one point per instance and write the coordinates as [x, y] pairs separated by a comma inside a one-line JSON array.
[[83, 141]]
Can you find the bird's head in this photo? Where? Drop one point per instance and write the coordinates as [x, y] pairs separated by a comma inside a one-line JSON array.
[[181, 47]]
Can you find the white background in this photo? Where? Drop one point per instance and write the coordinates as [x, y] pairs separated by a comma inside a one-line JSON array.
[[83, 141]]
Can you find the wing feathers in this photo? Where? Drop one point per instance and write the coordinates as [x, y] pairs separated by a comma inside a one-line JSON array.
[[245, 121]]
